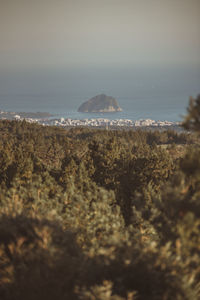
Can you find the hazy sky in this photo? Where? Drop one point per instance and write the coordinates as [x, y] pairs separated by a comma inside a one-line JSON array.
[[98, 32]]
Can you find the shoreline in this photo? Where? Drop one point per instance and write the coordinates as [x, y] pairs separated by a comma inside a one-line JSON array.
[[45, 119], [11, 115]]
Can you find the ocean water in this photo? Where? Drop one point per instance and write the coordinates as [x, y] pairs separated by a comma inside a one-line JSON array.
[[159, 92]]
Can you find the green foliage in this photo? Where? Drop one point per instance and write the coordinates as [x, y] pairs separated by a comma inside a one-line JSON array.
[[192, 120], [95, 214]]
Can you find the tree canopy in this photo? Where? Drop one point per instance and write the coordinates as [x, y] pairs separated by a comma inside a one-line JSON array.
[[95, 214]]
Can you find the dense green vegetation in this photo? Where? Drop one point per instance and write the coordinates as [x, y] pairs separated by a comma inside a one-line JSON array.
[[95, 214]]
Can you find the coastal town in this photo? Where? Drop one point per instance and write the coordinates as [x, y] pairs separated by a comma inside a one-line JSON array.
[[44, 119], [101, 122]]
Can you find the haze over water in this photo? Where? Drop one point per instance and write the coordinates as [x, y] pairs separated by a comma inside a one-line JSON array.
[[54, 55], [159, 93]]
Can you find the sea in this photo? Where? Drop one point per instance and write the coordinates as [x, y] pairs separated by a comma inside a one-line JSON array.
[[143, 92]]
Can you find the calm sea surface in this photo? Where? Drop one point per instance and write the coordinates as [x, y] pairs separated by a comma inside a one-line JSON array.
[[159, 93]]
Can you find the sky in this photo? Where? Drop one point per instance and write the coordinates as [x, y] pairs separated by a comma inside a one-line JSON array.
[[62, 33]]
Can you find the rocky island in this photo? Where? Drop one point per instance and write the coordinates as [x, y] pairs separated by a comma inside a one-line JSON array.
[[100, 103]]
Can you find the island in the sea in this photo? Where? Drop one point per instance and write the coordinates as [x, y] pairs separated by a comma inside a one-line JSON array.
[[100, 103]]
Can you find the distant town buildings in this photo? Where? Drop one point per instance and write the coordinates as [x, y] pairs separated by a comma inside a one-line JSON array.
[[98, 122]]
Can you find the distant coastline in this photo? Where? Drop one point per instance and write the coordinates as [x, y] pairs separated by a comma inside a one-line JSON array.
[[24, 115], [45, 119]]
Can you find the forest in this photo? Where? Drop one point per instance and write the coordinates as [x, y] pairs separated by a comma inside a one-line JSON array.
[[100, 214]]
